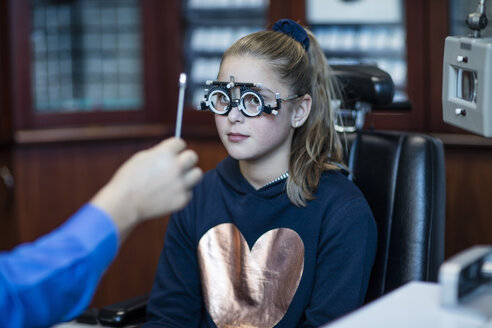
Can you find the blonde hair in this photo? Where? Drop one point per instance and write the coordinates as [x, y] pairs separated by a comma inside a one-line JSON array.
[[316, 146]]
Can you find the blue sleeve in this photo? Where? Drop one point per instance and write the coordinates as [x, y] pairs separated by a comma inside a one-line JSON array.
[[176, 300], [54, 278], [346, 254]]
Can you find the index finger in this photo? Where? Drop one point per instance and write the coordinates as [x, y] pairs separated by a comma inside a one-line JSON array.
[[187, 159], [173, 144]]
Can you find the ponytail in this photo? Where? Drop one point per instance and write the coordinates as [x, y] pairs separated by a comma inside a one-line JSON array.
[[316, 146]]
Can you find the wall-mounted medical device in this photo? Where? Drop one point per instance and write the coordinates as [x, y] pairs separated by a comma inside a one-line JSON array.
[[467, 78]]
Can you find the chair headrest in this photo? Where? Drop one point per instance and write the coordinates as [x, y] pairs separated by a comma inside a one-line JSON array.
[[366, 83]]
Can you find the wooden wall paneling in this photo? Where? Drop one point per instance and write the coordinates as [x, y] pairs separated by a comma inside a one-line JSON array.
[[198, 125], [19, 22], [416, 59], [133, 270], [162, 35], [412, 119], [5, 110], [54, 180], [468, 199], [293, 9], [210, 152], [8, 223], [436, 16]]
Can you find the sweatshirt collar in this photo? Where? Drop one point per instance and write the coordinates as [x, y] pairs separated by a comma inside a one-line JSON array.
[[231, 175]]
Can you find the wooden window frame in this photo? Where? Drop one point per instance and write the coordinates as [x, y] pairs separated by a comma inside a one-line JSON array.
[[160, 32]]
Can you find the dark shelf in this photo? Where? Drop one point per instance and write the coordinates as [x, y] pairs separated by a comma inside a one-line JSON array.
[[238, 16], [358, 54]]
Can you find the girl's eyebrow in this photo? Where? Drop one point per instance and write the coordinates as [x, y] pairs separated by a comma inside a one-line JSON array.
[[260, 87], [265, 90], [254, 85]]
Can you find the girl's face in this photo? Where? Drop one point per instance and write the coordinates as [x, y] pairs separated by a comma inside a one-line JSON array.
[[264, 139]]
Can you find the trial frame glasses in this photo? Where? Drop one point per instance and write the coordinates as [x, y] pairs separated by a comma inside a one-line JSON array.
[[220, 100]]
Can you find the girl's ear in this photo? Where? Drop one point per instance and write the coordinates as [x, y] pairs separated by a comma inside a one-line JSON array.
[[301, 111]]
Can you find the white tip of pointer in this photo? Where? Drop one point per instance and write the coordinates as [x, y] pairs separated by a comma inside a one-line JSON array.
[[182, 79]]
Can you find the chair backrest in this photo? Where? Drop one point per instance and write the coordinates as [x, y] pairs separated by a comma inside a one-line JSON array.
[[402, 175]]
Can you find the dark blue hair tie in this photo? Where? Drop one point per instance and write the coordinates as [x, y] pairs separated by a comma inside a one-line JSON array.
[[294, 30]]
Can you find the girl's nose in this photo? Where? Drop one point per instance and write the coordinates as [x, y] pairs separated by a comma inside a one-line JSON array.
[[235, 115]]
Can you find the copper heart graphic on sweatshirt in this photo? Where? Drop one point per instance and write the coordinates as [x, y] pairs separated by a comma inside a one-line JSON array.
[[249, 288]]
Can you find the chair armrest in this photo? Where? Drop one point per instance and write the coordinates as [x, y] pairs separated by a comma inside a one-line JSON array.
[[130, 311]]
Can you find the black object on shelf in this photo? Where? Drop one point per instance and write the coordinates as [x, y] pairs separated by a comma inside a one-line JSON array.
[[366, 83]]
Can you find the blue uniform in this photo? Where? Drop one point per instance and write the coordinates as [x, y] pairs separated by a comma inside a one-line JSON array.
[[54, 278], [240, 257]]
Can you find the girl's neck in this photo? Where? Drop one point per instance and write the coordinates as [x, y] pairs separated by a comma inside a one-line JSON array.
[[258, 174]]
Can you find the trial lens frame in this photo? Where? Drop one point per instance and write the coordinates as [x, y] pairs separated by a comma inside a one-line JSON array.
[[245, 89]]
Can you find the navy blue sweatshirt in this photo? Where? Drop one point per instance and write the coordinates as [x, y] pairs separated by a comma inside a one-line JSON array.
[[240, 257]]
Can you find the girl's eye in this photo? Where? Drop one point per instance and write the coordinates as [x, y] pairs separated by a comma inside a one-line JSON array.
[[254, 101], [223, 99], [251, 100]]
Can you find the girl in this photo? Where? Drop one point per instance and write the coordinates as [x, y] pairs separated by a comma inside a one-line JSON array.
[[276, 235]]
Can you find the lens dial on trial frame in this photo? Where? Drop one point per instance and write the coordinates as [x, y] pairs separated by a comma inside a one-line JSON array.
[[218, 101]]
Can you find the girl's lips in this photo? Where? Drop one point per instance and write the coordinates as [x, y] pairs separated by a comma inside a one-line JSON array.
[[236, 137]]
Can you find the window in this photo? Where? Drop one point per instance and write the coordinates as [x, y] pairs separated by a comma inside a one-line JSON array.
[[86, 55]]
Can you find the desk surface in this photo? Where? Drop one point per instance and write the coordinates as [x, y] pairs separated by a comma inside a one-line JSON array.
[[416, 304]]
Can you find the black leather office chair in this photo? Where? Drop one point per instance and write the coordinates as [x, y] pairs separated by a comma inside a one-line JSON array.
[[402, 176]]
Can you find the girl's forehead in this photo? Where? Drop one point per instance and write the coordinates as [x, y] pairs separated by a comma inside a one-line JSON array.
[[244, 67], [250, 69]]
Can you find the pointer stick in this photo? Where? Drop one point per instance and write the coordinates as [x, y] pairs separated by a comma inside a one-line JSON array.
[[179, 115]]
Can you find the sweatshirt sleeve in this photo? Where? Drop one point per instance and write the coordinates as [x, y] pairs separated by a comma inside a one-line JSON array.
[[346, 254], [54, 278], [176, 300]]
